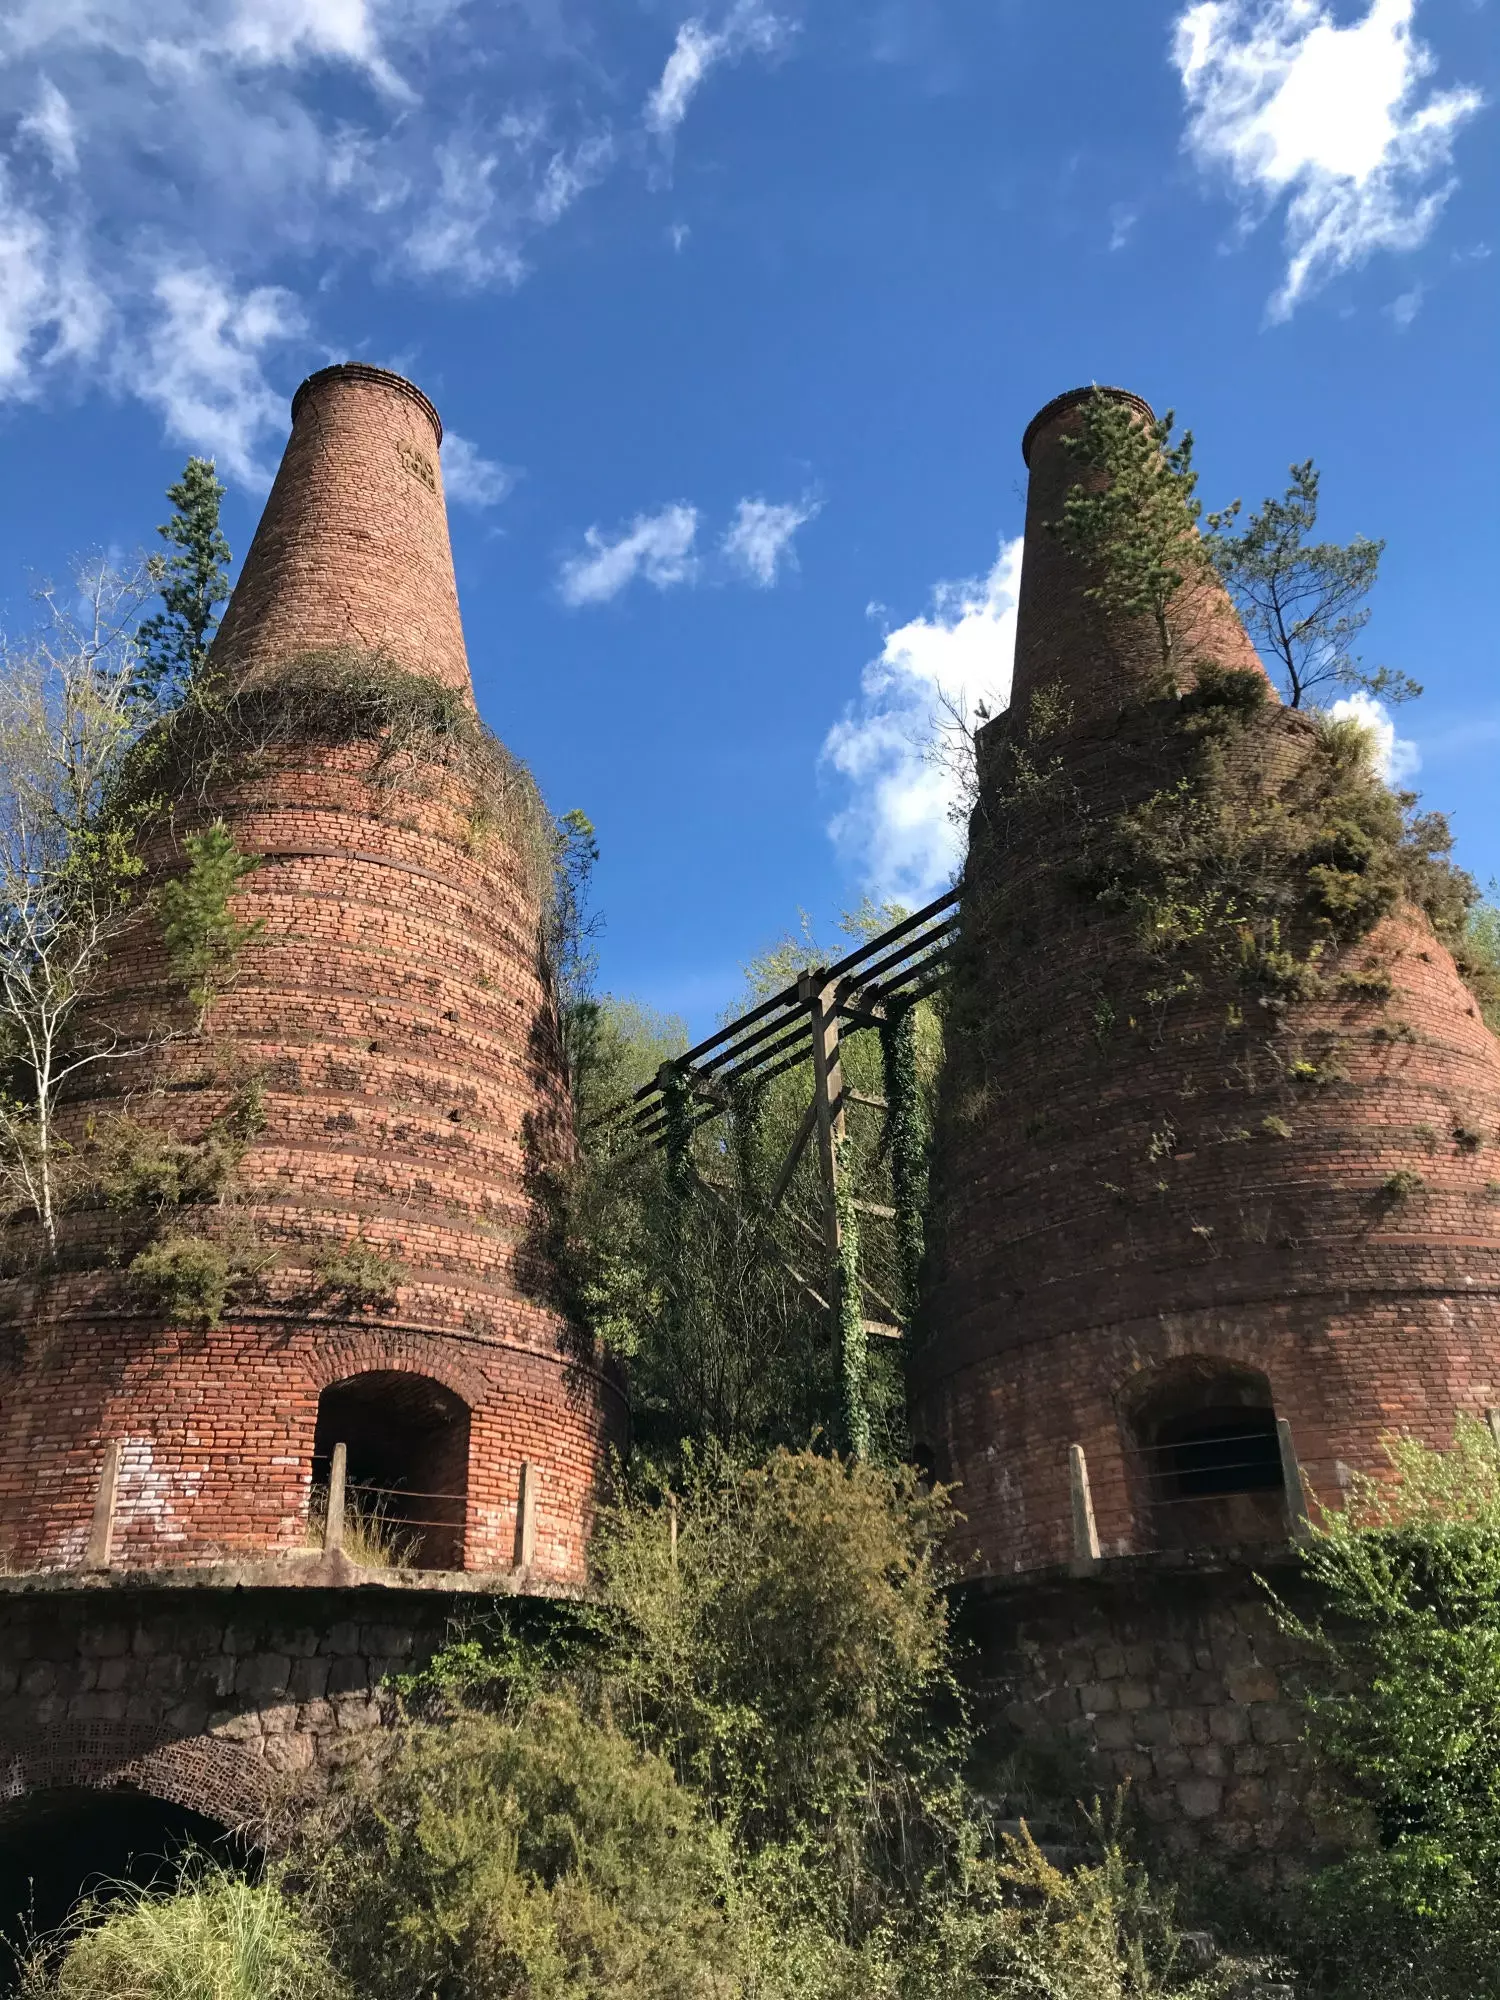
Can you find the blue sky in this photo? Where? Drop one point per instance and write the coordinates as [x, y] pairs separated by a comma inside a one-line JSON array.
[[736, 314]]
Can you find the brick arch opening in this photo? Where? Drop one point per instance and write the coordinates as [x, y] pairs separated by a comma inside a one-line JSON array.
[[407, 1440], [67, 1841], [1202, 1456]]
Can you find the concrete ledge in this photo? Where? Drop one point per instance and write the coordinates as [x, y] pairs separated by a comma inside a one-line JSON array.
[[314, 1571]]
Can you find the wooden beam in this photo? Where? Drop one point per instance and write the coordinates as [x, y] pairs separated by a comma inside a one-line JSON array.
[[1291, 1474], [828, 1096], [798, 1147], [333, 1520], [1085, 1531], [102, 1527], [528, 1499]]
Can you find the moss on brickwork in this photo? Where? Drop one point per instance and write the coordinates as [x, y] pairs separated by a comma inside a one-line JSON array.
[[418, 729], [1270, 848]]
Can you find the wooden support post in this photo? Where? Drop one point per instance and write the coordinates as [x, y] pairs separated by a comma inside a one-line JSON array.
[[828, 1096], [1085, 1531], [1291, 1475], [338, 1486], [528, 1499], [102, 1527]]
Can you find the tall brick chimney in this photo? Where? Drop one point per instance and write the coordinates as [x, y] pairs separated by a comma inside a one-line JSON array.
[[388, 1055], [352, 550], [1174, 1206], [1061, 636]]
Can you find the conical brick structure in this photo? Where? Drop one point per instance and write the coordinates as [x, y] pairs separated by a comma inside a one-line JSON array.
[[366, 1122], [1179, 1196]]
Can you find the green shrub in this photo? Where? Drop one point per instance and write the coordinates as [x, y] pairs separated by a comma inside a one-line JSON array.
[[357, 1275], [1409, 1725], [547, 1859], [219, 1937], [187, 1279]]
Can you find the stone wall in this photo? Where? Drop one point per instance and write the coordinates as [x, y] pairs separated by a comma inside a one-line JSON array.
[[221, 1699], [1170, 1677]]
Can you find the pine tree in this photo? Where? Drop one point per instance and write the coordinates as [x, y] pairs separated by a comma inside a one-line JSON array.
[[1304, 601], [192, 581]]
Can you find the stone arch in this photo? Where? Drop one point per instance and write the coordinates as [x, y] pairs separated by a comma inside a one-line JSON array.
[[209, 1775], [1203, 1465]]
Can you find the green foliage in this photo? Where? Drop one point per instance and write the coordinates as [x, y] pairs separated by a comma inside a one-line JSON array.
[[1133, 517], [1099, 1929], [787, 1652], [219, 1937], [849, 1312], [1303, 601], [675, 1260], [1399, 1187], [138, 1167], [199, 929], [193, 582], [1478, 957], [909, 1139], [570, 932], [1408, 1573], [542, 1859], [188, 1279], [357, 1275]]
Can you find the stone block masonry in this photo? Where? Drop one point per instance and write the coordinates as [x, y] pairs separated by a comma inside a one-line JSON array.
[[1174, 1680]]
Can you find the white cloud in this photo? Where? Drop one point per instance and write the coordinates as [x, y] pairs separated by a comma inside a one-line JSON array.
[[1404, 309], [200, 364], [759, 539], [469, 478], [1122, 221], [1396, 757], [898, 828], [658, 547], [274, 143], [1331, 121], [52, 126], [749, 28]]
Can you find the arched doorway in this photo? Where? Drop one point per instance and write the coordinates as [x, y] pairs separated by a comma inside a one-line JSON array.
[[1204, 1457], [407, 1439], [61, 1845]]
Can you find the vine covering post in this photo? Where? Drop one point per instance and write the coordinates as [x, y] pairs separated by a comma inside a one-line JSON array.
[[905, 1127]]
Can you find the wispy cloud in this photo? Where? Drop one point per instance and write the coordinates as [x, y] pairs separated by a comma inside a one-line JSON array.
[[658, 547], [758, 542], [898, 829], [50, 124], [201, 362], [1332, 123], [266, 142], [749, 28], [469, 478]]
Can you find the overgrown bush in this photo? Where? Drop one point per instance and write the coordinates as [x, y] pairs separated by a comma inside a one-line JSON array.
[[188, 1279], [1409, 1572], [547, 1858], [219, 1937], [357, 1275]]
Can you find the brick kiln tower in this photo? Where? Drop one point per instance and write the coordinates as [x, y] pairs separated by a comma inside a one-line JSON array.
[[1169, 1219], [386, 1056]]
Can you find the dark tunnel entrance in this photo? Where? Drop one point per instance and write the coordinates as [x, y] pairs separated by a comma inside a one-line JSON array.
[[407, 1439], [57, 1847]]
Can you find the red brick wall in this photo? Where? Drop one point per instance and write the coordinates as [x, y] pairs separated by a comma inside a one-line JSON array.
[[396, 1010], [352, 549], [1115, 1205]]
